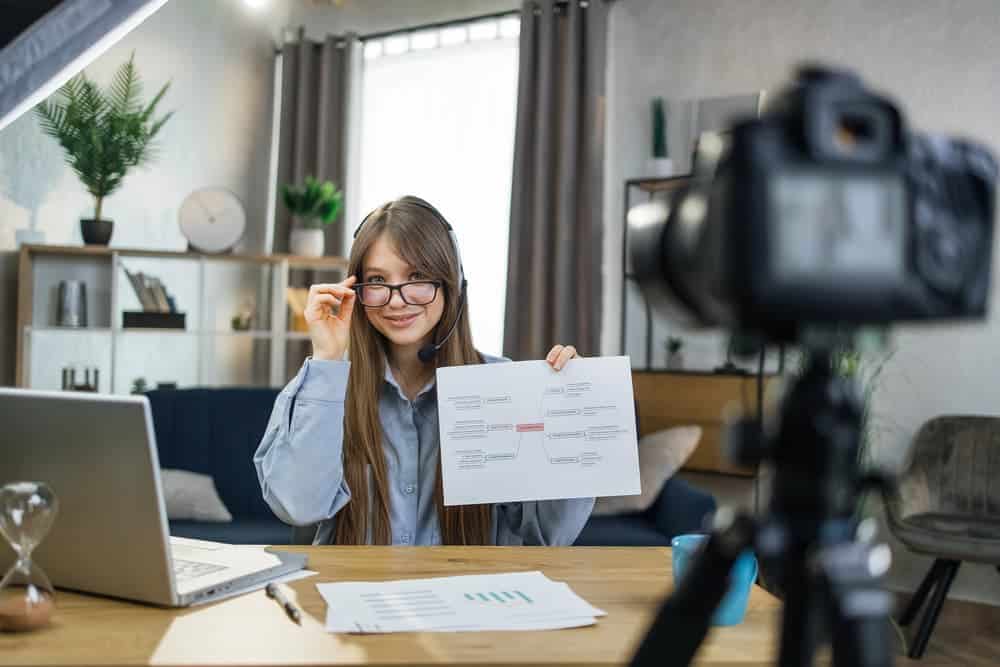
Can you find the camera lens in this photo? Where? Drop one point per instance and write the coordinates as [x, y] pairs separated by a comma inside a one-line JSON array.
[[852, 129]]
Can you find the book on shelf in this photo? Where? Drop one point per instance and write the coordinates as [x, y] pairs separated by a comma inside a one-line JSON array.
[[152, 295]]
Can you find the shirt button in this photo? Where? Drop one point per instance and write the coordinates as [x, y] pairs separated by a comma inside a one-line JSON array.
[[410, 488]]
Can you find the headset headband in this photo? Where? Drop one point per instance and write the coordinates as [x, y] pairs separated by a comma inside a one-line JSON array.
[[440, 218]]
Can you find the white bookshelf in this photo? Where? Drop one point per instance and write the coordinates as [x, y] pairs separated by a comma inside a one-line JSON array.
[[209, 289]]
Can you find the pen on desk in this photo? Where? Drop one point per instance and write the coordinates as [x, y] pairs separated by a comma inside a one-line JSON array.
[[290, 609]]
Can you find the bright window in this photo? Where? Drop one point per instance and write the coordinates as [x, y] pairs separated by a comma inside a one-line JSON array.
[[437, 121]]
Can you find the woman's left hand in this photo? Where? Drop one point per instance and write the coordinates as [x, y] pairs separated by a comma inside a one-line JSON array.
[[559, 355]]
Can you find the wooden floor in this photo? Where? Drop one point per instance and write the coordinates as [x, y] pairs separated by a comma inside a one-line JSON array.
[[966, 634]]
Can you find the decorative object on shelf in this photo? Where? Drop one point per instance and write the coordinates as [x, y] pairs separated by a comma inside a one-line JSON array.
[[212, 220], [312, 206], [139, 385], [243, 320], [660, 165], [159, 310], [297, 299], [104, 134], [91, 379], [675, 358], [72, 303], [27, 598]]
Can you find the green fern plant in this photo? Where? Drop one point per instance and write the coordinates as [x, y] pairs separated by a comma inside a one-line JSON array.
[[315, 203], [104, 133]]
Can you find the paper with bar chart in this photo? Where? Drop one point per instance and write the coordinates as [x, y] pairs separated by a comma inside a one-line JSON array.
[[510, 601], [523, 431]]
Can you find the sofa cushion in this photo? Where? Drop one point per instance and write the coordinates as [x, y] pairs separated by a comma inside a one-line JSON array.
[[623, 530], [216, 432], [245, 531], [680, 508], [191, 495], [661, 454]]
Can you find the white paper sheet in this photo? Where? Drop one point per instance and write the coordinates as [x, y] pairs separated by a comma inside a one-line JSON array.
[[513, 601], [523, 431]]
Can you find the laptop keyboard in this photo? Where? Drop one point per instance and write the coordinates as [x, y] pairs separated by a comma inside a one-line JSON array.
[[185, 570]]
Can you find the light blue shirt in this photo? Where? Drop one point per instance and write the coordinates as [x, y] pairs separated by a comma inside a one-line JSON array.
[[300, 467]]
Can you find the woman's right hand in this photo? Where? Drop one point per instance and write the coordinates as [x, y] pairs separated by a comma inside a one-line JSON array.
[[328, 314]]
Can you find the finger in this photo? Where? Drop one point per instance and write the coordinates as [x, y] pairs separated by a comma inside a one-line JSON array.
[[330, 288], [346, 306], [553, 354], [564, 356], [322, 305]]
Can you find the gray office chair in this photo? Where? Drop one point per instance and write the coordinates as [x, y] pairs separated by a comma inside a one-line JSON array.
[[948, 507]]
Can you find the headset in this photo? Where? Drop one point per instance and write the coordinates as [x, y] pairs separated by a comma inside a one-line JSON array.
[[429, 351]]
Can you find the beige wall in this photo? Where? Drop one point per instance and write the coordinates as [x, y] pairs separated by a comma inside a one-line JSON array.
[[938, 57]]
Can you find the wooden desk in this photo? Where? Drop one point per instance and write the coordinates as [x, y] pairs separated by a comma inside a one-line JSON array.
[[628, 583]]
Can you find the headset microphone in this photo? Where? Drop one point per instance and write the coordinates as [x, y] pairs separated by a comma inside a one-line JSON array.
[[428, 352]]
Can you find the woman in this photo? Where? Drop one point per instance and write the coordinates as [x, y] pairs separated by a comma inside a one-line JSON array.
[[353, 445]]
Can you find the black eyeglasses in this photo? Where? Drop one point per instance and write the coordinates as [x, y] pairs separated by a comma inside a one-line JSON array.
[[414, 293]]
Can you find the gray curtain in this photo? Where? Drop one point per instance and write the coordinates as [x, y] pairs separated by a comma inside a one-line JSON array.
[[313, 137], [554, 270]]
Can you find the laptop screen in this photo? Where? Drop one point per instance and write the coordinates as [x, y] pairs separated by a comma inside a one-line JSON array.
[[43, 43]]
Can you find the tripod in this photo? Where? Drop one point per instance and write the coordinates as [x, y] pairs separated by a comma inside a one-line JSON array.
[[806, 539]]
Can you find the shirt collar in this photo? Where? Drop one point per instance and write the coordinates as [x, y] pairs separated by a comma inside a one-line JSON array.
[[391, 380]]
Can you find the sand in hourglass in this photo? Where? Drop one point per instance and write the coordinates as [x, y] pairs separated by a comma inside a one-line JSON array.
[[20, 613]]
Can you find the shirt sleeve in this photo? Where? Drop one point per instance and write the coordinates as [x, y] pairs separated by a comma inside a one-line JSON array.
[[541, 523], [299, 460]]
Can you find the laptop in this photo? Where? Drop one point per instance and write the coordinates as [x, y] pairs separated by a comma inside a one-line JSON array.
[[98, 454]]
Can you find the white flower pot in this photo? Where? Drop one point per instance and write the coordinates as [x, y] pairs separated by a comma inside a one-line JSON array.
[[307, 242], [660, 167]]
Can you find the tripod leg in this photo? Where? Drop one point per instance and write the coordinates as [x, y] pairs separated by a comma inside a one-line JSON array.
[[930, 617], [932, 578], [858, 605]]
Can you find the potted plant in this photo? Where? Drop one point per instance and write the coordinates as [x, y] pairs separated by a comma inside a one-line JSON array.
[[313, 205], [660, 165], [675, 359], [104, 134]]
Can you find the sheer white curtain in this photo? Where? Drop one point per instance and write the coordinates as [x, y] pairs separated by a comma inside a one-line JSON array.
[[437, 121]]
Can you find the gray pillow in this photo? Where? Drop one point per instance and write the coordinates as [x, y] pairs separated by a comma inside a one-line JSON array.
[[191, 495], [661, 454]]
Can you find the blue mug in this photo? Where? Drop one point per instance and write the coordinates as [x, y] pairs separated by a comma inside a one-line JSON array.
[[734, 604]]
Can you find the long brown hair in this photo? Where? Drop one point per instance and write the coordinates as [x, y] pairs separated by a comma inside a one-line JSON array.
[[424, 243]]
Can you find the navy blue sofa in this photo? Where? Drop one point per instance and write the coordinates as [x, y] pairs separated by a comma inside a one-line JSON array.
[[216, 431]]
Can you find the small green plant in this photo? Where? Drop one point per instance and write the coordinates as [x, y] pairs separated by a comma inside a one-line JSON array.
[[863, 359], [674, 344], [315, 203], [660, 149], [103, 133]]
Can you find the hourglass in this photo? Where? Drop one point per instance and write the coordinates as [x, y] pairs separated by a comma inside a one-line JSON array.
[[27, 510]]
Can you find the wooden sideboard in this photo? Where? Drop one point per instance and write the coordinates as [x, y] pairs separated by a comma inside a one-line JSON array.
[[668, 399]]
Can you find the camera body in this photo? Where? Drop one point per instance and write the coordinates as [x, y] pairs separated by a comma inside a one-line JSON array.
[[825, 211]]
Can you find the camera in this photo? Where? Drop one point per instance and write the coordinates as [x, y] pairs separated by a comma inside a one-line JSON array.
[[824, 211], [823, 216]]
